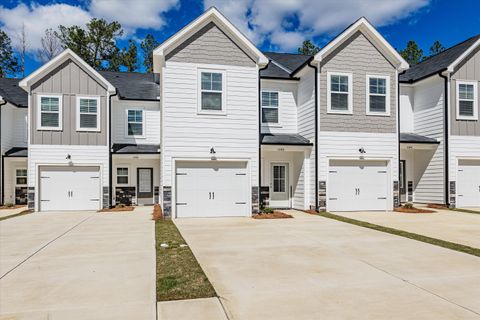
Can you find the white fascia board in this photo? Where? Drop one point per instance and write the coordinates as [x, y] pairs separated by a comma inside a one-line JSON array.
[[214, 15], [362, 24], [47, 67], [465, 54]]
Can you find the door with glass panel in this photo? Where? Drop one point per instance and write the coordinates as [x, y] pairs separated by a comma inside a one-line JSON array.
[[279, 186]]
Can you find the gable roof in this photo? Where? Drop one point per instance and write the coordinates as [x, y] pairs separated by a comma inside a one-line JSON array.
[[445, 60], [52, 64], [134, 85], [284, 65], [211, 15], [364, 26], [11, 92]]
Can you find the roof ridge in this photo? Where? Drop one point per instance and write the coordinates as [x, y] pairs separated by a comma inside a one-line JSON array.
[[289, 53]]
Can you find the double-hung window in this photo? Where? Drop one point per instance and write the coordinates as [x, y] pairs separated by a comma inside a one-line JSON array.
[[339, 98], [269, 107], [467, 100], [122, 175], [49, 112], [21, 177], [135, 123], [378, 95], [88, 114], [212, 91]]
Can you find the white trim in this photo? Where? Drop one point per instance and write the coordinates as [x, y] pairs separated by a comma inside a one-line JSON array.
[[77, 113], [363, 25], [387, 95], [475, 100], [25, 176], [212, 14], [142, 136], [200, 91], [270, 107], [350, 92], [67, 53], [39, 112], [465, 54]]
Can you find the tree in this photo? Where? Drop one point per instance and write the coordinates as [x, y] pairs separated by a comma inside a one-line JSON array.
[[51, 46], [412, 53], [148, 45], [96, 44], [436, 48], [308, 48], [8, 61], [22, 48], [129, 57]]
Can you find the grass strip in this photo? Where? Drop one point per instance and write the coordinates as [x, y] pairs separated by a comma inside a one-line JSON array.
[[465, 210], [405, 234], [179, 276], [16, 215]]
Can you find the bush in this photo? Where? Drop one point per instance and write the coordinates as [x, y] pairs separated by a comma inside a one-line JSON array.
[[120, 205], [408, 206], [9, 205], [267, 210]]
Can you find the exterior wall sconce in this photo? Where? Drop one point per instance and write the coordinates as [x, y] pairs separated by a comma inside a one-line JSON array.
[[362, 150]]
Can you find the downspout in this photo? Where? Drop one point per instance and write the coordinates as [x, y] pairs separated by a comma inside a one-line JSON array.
[[398, 137], [316, 133], [110, 160], [447, 202], [260, 136], [2, 171]]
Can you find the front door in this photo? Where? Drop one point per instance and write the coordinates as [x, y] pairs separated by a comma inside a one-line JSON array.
[[279, 186], [145, 185]]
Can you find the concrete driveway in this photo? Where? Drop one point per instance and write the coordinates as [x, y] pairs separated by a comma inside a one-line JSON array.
[[78, 266], [311, 267]]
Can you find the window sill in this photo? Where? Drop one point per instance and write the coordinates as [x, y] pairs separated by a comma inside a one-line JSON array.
[[339, 112], [271, 125], [88, 130], [465, 118], [212, 113], [49, 129], [378, 114]]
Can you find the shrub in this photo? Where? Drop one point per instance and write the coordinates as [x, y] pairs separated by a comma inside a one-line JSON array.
[[408, 206], [9, 205], [120, 205], [267, 210]]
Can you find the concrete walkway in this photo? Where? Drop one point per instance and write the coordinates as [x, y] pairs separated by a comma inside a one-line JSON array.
[[81, 265], [311, 267], [453, 226], [10, 212], [198, 309]]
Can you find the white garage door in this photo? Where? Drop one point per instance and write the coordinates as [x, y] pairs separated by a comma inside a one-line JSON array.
[[357, 185], [468, 189], [69, 188], [211, 189]]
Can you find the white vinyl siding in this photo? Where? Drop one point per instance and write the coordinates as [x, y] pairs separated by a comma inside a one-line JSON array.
[[467, 100], [339, 97], [378, 95], [135, 123], [270, 107], [212, 91], [88, 113], [50, 112]]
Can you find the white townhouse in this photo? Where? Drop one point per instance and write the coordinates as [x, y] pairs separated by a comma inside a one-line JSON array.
[[220, 128]]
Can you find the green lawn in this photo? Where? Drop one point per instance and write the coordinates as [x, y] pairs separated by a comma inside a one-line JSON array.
[[179, 276], [465, 210], [405, 234]]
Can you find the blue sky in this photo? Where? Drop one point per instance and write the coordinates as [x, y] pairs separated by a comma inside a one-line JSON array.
[[274, 25]]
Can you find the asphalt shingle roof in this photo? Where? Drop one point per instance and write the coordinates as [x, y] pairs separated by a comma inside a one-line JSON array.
[[283, 65], [17, 152], [136, 148], [438, 62], [285, 139], [133, 85], [416, 138], [12, 93]]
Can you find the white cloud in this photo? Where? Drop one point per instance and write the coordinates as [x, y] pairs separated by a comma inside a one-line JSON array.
[[267, 19]]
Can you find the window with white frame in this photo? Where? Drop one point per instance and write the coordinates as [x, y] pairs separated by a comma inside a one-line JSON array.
[[339, 98], [467, 100], [122, 175], [21, 177], [50, 112], [378, 95], [135, 123], [212, 95], [88, 115], [269, 107]]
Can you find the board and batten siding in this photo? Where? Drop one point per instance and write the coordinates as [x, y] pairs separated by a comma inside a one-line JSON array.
[[70, 81], [359, 57], [469, 69], [287, 106], [151, 110], [210, 45], [429, 122], [190, 135]]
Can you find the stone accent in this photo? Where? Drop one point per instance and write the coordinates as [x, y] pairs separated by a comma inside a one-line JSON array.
[[156, 194], [322, 196], [452, 193], [31, 198], [125, 195], [21, 195], [106, 196], [264, 196], [396, 194], [255, 199], [167, 201], [410, 191]]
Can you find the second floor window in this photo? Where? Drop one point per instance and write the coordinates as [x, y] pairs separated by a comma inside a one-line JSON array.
[[135, 125], [269, 107], [378, 95], [50, 112], [467, 100], [339, 93], [88, 118], [212, 96]]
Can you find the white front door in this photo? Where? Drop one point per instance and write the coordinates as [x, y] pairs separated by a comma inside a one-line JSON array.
[[468, 189], [279, 186], [355, 185], [69, 188], [211, 189]]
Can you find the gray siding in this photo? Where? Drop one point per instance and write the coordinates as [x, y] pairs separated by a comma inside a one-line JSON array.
[[69, 80], [468, 70], [359, 57], [212, 46]]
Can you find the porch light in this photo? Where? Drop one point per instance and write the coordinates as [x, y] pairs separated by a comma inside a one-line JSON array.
[[362, 150], [212, 151]]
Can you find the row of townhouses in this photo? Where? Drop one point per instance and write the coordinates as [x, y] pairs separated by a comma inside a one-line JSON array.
[[222, 129]]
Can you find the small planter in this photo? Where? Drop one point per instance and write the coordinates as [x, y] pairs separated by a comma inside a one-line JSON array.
[[412, 210], [273, 215], [118, 209]]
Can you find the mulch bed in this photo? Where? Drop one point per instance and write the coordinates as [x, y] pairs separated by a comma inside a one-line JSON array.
[[11, 207], [274, 215], [119, 209], [412, 210], [437, 206]]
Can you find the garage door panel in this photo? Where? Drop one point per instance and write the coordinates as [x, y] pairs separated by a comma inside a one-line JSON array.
[[468, 183]]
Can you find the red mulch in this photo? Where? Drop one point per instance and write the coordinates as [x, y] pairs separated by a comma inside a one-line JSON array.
[[119, 209], [412, 210], [157, 212], [437, 206], [310, 211], [12, 207], [274, 215]]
